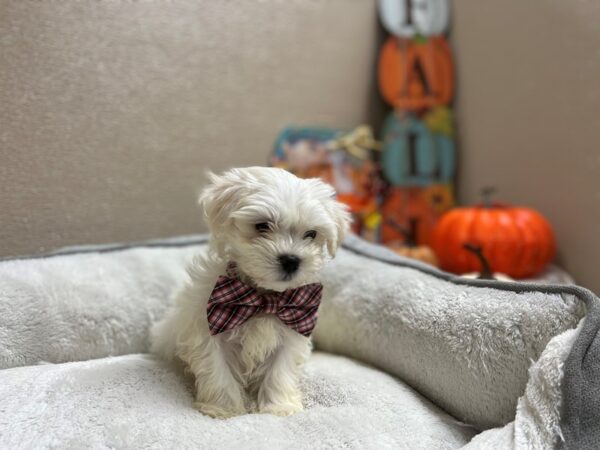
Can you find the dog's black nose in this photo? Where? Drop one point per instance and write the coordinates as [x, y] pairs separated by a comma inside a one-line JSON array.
[[289, 263]]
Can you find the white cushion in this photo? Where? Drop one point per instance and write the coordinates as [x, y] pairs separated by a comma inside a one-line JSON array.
[[137, 401]]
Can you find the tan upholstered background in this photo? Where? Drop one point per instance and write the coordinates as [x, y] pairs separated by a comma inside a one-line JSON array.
[[110, 111], [529, 114]]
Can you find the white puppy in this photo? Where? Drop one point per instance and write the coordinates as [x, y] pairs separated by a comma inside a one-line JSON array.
[[271, 233]]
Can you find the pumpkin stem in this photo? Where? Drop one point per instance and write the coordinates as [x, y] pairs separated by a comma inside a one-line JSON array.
[[486, 194], [409, 234], [486, 272]]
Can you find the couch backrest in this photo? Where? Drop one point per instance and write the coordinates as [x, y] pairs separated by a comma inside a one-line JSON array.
[[111, 111]]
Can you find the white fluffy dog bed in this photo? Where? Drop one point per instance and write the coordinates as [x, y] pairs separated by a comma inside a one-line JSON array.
[[451, 363]]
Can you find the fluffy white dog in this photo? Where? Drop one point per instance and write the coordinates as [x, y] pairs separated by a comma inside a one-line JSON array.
[[271, 234]]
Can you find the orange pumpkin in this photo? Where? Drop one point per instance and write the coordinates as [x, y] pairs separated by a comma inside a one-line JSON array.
[[516, 241], [415, 74]]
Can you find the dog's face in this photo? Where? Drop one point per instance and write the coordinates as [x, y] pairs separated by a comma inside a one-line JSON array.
[[277, 227]]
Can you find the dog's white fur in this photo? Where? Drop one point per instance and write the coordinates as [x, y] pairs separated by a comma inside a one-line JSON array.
[[257, 365]]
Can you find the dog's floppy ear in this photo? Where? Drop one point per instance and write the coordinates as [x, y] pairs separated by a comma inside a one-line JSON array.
[[338, 214], [342, 219], [220, 198]]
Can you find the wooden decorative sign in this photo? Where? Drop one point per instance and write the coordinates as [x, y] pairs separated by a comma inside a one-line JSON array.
[[416, 77], [422, 206], [415, 74], [407, 18], [413, 154]]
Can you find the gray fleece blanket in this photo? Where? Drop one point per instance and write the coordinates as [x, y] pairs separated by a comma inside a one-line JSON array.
[[466, 345], [503, 317]]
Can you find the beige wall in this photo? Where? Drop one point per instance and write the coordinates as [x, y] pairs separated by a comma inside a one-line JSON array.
[[529, 114], [110, 111]]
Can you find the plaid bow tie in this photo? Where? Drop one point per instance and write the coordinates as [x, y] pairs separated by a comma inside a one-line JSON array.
[[232, 302]]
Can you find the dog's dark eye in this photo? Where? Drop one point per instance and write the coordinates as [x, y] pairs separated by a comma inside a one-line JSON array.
[[310, 234], [262, 227]]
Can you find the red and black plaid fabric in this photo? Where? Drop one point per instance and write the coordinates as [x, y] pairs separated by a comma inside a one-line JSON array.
[[232, 303]]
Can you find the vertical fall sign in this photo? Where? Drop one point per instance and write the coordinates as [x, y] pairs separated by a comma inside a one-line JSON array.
[[416, 78]]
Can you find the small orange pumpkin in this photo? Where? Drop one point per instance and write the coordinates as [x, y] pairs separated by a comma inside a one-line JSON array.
[[415, 74], [516, 241], [409, 247]]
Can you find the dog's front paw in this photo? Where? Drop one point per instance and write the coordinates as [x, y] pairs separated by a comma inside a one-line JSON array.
[[281, 409], [216, 411]]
